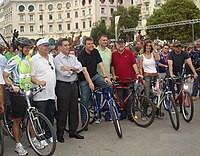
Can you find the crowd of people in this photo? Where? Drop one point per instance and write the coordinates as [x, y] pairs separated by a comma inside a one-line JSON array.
[[66, 74]]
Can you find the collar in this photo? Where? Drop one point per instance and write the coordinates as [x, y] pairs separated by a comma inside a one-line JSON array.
[[21, 57], [63, 55], [99, 48]]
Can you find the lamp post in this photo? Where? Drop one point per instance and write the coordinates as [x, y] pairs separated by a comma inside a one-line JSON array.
[[41, 10]]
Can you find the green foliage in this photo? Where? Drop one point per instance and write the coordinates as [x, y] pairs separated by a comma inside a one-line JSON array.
[[174, 11], [129, 18], [98, 30]]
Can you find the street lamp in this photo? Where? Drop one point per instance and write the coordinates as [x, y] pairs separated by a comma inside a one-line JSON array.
[[41, 10]]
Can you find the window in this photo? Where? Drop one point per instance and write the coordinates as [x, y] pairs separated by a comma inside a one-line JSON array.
[[21, 17], [111, 10], [41, 28], [31, 28], [30, 8], [76, 14], [68, 26], [76, 25], [89, 1], [40, 17], [83, 12], [21, 8], [50, 7], [102, 10], [83, 2], [50, 16], [68, 15], [120, 1], [50, 27], [59, 6], [111, 1], [59, 16], [75, 3], [60, 27], [83, 25], [31, 17], [131, 1], [90, 24], [68, 5], [21, 29], [40, 7], [102, 1], [89, 11]]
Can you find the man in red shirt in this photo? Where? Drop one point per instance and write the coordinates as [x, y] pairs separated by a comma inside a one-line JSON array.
[[123, 65]]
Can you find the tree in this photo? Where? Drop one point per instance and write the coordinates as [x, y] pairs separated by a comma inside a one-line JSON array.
[[129, 18], [174, 11], [98, 30]]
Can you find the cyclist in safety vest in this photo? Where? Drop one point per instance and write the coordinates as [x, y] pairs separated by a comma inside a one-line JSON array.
[[17, 76]]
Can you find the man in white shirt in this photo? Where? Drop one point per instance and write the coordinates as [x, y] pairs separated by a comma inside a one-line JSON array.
[[43, 73]]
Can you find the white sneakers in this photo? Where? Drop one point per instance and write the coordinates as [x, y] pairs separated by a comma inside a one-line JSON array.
[[37, 144], [98, 121], [20, 149], [44, 143]]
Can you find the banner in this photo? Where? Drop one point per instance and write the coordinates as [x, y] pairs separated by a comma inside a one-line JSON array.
[[116, 26]]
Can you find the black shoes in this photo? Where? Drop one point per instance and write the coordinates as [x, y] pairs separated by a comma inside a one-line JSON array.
[[60, 139], [76, 135]]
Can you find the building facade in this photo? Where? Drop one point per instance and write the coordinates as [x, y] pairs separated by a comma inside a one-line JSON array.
[[60, 18]]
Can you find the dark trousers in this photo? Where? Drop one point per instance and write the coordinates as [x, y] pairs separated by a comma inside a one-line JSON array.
[[196, 85], [47, 108], [67, 104]]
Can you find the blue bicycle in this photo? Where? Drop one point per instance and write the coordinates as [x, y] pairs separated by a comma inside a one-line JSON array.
[[96, 109]]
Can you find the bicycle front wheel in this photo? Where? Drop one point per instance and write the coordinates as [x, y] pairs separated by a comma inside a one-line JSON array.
[[143, 111], [82, 109], [173, 112], [40, 128], [187, 107], [115, 119], [1, 141]]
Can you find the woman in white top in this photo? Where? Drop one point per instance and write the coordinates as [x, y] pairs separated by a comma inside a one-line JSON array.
[[147, 65]]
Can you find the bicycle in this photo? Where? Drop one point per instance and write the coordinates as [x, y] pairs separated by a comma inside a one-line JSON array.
[[96, 109], [81, 108], [142, 109], [33, 121], [183, 96], [165, 97]]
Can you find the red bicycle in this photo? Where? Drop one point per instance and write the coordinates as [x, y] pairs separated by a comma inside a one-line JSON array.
[[141, 107], [185, 98]]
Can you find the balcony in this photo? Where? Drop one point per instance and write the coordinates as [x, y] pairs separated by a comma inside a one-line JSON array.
[[83, 17], [67, 19], [31, 22], [21, 22], [59, 31], [59, 20], [146, 1], [146, 12], [138, 2], [89, 16], [103, 15], [50, 21]]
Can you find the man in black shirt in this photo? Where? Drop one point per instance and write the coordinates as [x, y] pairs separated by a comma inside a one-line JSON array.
[[89, 77], [176, 60]]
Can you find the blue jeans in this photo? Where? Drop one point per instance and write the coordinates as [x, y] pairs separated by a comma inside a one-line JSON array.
[[48, 109], [196, 85], [98, 81], [148, 80]]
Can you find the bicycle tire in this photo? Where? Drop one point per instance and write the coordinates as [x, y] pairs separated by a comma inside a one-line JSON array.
[[115, 119], [8, 120], [143, 111], [187, 107], [173, 113], [41, 121], [1, 141], [82, 126]]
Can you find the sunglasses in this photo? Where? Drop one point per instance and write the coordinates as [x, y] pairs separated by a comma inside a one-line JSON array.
[[51, 66], [178, 46]]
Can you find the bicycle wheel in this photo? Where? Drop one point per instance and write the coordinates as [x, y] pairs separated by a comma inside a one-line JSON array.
[[187, 107], [8, 120], [143, 111], [82, 108], [173, 112], [39, 127], [1, 141], [115, 119]]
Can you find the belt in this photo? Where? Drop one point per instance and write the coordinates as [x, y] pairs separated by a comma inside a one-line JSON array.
[[150, 74], [72, 82]]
